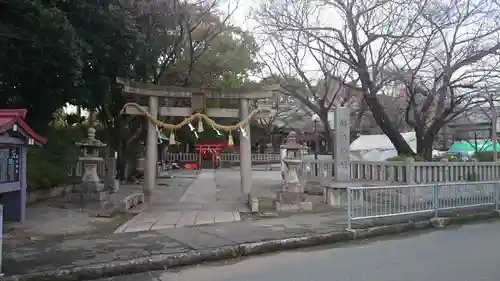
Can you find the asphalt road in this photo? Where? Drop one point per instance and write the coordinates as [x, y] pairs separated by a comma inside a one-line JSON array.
[[466, 253]]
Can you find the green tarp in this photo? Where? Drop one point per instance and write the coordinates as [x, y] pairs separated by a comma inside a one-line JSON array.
[[473, 146]]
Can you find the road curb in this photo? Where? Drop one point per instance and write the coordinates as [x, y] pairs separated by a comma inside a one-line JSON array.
[[166, 261]]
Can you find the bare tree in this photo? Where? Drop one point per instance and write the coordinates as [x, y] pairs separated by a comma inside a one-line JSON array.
[[301, 63], [358, 38], [394, 106], [283, 107], [378, 41], [445, 66]]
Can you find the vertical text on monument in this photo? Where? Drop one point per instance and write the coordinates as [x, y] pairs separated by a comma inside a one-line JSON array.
[[341, 154]]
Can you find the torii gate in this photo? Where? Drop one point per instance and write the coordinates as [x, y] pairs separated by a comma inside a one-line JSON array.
[[158, 105]]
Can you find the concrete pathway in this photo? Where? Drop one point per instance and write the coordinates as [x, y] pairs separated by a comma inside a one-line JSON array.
[[197, 206], [202, 190]]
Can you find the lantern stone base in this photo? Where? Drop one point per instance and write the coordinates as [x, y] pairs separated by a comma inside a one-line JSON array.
[[292, 202], [88, 192]]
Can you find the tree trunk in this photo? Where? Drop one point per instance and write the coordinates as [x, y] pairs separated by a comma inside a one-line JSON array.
[[386, 125], [424, 147], [428, 142], [330, 143], [356, 127], [121, 162], [419, 135]]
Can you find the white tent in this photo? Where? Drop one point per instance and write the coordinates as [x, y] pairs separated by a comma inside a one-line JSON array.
[[378, 147]]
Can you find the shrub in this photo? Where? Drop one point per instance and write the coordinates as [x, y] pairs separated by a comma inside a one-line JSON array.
[[402, 158], [451, 158], [484, 156], [47, 166]]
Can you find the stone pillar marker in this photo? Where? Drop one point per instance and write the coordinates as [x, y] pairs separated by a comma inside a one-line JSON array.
[[292, 197], [336, 193], [342, 155], [91, 187]]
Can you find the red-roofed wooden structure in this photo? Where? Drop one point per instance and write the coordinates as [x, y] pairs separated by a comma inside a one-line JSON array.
[[13, 120], [15, 137]]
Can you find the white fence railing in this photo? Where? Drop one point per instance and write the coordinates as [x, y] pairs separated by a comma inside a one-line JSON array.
[[225, 157], [393, 172], [75, 170], [408, 172], [391, 201], [181, 157]]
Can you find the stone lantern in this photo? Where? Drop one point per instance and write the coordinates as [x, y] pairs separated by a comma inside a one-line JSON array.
[[292, 197], [292, 147], [91, 188]]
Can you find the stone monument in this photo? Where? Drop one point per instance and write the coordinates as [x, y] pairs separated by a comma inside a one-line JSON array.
[[335, 193], [342, 155], [91, 188], [292, 197]]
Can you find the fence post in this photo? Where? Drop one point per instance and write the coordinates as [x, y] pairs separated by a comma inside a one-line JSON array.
[[446, 170], [409, 180], [268, 161], [409, 170], [475, 169], [496, 173], [496, 195], [282, 162], [435, 199], [349, 208]]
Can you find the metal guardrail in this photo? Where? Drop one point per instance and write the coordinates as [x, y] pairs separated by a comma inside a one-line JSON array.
[[390, 201]]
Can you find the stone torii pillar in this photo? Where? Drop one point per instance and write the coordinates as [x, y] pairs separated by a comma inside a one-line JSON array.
[[246, 156], [151, 148]]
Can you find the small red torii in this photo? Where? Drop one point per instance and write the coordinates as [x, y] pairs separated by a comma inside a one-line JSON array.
[[211, 150], [208, 152]]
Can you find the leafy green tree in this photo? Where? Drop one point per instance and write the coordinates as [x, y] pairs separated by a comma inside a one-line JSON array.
[[60, 52], [40, 59]]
